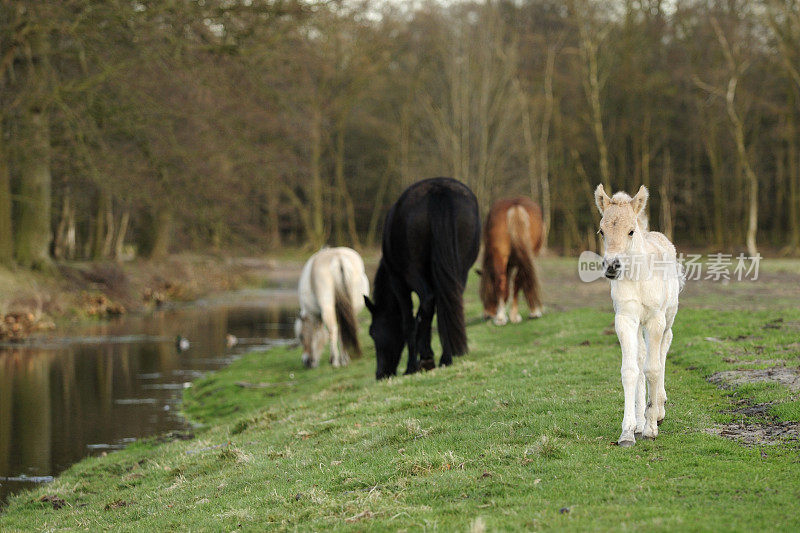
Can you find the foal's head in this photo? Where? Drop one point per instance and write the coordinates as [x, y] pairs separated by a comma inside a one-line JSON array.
[[311, 334], [620, 227]]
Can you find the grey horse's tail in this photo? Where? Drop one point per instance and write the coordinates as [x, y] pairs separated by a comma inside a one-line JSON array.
[[345, 315]]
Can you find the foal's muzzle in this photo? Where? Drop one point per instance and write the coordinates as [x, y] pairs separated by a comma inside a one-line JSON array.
[[613, 268]]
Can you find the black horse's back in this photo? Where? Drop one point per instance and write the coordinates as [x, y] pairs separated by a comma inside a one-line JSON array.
[[430, 240]]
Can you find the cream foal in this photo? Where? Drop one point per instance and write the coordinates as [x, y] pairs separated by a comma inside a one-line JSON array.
[[645, 281]]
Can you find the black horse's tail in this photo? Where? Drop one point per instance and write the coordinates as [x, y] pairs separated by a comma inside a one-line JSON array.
[[447, 276], [345, 315]]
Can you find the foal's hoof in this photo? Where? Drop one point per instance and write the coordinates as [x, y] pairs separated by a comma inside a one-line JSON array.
[[646, 437], [626, 443], [658, 422], [427, 364], [500, 321], [638, 435], [535, 314]]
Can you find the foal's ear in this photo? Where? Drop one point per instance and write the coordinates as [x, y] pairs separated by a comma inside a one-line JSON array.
[[601, 199], [640, 200], [479, 272], [369, 304]]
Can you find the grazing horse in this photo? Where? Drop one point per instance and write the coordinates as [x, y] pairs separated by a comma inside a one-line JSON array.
[[646, 279], [331, 290], [511, 238], [431, 238]]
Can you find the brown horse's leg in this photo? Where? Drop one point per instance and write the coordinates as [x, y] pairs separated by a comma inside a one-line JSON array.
[[513, 290], [500, 264], [530, 286]]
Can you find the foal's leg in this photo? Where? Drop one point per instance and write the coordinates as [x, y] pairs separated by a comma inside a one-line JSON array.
[[665, 344], [641, 390], [654, 374], [628, 332]]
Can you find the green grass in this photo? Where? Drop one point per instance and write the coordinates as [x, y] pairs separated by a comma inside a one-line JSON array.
[[508, 438]]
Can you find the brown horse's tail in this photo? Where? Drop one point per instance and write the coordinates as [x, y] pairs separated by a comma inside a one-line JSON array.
[[345, 315], [524, 249]]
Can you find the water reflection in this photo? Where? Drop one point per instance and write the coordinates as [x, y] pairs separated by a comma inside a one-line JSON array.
[[97, 389]]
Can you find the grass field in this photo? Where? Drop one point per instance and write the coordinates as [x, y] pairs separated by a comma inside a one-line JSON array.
[[518, 435]]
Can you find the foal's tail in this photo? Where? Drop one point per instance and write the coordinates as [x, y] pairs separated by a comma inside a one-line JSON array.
[[447, 269], [519, 230], [345, 314]]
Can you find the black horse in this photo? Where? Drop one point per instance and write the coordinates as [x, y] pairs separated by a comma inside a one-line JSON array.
[[430, 239]]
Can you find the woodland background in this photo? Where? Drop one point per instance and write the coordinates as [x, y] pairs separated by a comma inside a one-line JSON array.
[[148, 127]]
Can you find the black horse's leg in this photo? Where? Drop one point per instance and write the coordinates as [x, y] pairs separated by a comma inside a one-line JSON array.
[[403, 295], [424, 318], [386, 368], [446, 359]]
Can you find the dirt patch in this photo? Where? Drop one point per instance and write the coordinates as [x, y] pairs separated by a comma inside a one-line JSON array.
[[759, 434], [735, 361], [116, 504], [788, 377], [760, 410], [53, 500]]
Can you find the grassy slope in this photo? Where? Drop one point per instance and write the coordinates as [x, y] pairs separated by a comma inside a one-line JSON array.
[[511, 434]]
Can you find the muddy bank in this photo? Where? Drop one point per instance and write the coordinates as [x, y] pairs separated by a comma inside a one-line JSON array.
[[31, 302]]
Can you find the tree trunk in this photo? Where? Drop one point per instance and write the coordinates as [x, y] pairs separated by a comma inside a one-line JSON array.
[[59, 246], [739, 137], [32, 246], [591, 83], [158, 234], [122, 230], [317, 236], [531, 152], [101, 228], [341, 183], [70, 240], [108, 243], [544, 144], [646, 160], [377, 209], [715, 161], [6, 233], [32, 224], [666, 202], [273, 217], [794, 187]]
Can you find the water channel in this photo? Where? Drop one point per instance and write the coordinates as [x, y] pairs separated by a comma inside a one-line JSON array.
[[99, 387]]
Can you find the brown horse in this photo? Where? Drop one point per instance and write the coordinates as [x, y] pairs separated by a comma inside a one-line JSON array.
[[512, 237]]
